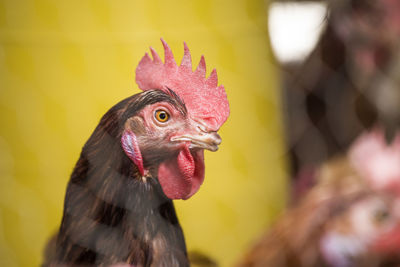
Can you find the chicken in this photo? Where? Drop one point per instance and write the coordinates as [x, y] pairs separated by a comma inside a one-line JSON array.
[[347, 219], [146, 151], [348, 84]]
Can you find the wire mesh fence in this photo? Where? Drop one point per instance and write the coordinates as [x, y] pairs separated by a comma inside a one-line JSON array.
[[348, 84]]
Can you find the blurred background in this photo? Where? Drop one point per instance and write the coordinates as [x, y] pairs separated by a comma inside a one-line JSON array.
[[304, 79], [340, 76]]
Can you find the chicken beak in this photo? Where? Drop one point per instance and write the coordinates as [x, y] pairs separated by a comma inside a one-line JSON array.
[[200, 140]]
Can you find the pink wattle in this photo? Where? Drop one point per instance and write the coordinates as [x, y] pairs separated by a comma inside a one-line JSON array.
[[181, 177]]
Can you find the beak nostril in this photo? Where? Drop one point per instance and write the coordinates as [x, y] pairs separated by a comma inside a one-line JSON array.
[[202, 128]]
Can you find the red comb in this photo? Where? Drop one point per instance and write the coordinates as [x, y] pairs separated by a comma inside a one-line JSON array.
[[204, 99]]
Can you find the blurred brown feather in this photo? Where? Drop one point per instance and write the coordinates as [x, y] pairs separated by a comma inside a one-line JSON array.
[[329, 208]]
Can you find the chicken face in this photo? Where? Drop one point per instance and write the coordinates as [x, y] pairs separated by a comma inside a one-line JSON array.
[[355, 237], [175, 128], [164, 141]]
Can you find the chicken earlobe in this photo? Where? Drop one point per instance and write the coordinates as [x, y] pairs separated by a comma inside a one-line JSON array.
[[131, 148]]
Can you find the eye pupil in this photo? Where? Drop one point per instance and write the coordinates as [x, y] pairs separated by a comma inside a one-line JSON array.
[[163, 116]]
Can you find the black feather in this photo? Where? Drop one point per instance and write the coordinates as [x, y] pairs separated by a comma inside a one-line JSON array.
[[110, 214]]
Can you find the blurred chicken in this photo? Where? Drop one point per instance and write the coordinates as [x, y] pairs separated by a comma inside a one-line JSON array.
[[347, 219], [348, 84]]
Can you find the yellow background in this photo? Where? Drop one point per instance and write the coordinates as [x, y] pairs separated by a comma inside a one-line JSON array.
[[63, 64]]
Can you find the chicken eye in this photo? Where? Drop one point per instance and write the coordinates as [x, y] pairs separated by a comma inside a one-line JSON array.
[[161, 115], [381, 215]]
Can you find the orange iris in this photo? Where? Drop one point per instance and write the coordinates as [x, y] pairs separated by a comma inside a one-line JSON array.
[[162, 115]]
